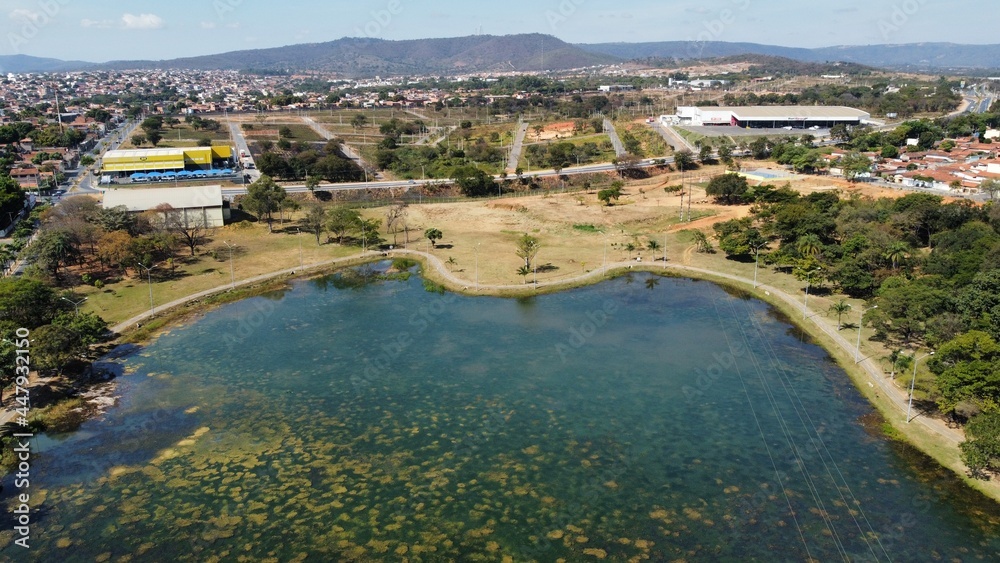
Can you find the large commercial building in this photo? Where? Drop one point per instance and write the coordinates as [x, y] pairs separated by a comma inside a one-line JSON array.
[[125, 162], [772, 117], [198, 205]]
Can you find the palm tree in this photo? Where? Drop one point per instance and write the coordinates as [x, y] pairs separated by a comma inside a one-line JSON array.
[[524, 271], [840, 308], [896, 253], [809, 245]]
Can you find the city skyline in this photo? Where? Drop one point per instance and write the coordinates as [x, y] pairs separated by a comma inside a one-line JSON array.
[[101, 30]]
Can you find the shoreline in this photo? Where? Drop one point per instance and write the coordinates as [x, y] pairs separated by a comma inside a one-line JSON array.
[[930, 436]]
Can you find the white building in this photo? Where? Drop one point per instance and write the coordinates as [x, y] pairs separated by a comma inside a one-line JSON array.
[[773, 117], [197, 203]]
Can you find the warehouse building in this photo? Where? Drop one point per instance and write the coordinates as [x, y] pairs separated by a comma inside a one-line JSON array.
[[198, 205], [123, 163], [768, 117]]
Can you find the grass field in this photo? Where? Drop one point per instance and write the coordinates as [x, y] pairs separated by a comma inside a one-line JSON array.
[[184, 135]]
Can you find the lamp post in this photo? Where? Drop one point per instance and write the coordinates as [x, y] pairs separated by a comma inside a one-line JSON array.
[[76, 304], [857, 347], [805, 302], [913, 383], [756, 262], [297, 233], [232, 269], [149, 274]]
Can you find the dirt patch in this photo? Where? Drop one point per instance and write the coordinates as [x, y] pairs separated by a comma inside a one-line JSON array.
[[560, 130]]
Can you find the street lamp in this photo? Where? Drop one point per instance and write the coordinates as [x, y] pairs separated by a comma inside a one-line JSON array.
[[861, 320], [297, 235], [232, 269], [76, 304], [756, 261], [913, 383], [149, 274], [805, 302]]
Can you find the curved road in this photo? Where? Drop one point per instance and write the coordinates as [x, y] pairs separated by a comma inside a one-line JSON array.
[[897, 396]]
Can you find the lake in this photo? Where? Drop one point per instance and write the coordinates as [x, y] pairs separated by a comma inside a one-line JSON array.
[[358, 419]]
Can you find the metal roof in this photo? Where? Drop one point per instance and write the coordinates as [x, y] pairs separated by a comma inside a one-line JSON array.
[[144, 153], [144, 199], [782, 112]]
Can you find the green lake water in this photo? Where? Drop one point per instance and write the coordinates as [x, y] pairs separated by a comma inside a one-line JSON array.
[[644, 418]]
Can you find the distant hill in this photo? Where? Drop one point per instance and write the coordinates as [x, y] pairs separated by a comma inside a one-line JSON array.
[[370, 57], [926, 56], [362, 57], [761, 65], [24, 63]]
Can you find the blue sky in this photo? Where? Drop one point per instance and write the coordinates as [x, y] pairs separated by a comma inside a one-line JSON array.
[[101, 30]]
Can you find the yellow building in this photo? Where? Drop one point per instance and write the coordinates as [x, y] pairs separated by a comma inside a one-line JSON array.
[[162, 160]]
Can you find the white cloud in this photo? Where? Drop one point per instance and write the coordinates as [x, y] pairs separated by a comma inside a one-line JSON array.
[[22, 14], [208, 25], [142, 21], [99, 24], [233, 25]]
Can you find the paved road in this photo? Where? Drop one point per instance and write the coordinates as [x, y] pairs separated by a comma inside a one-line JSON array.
[[671, 137], [616, 141], [516, 148]]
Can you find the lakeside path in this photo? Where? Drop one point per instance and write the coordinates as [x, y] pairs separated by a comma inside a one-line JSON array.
[[877, 378]]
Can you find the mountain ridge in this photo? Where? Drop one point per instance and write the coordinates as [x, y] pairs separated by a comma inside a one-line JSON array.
[[364, 57]]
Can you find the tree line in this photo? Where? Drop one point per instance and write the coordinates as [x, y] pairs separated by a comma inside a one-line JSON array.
[[931, 268]]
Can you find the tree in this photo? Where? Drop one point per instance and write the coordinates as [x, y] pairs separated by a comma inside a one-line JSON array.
[[263, 198], [433, 235], [840, 308], [359, 121], [684, 160], [395, 215], [968, 370], [342, 220], [728, 189], [981, 449], [527, 247], [607, 195], [990, 186], [524, 271], [312, 182], [473, 182], [285, 132], [114, 249], [705, 154], [53, 249], [701, 240], [896, 253], [315, 221], [855, 164], [54, 347], [89, 327], [154, 137], [190, 229], [809, 245], [27, 303], [138, 140], [369, 232]]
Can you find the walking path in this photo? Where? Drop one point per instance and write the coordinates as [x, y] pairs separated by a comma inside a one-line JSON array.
[[515, 149], [616, 141], [896, 395]]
